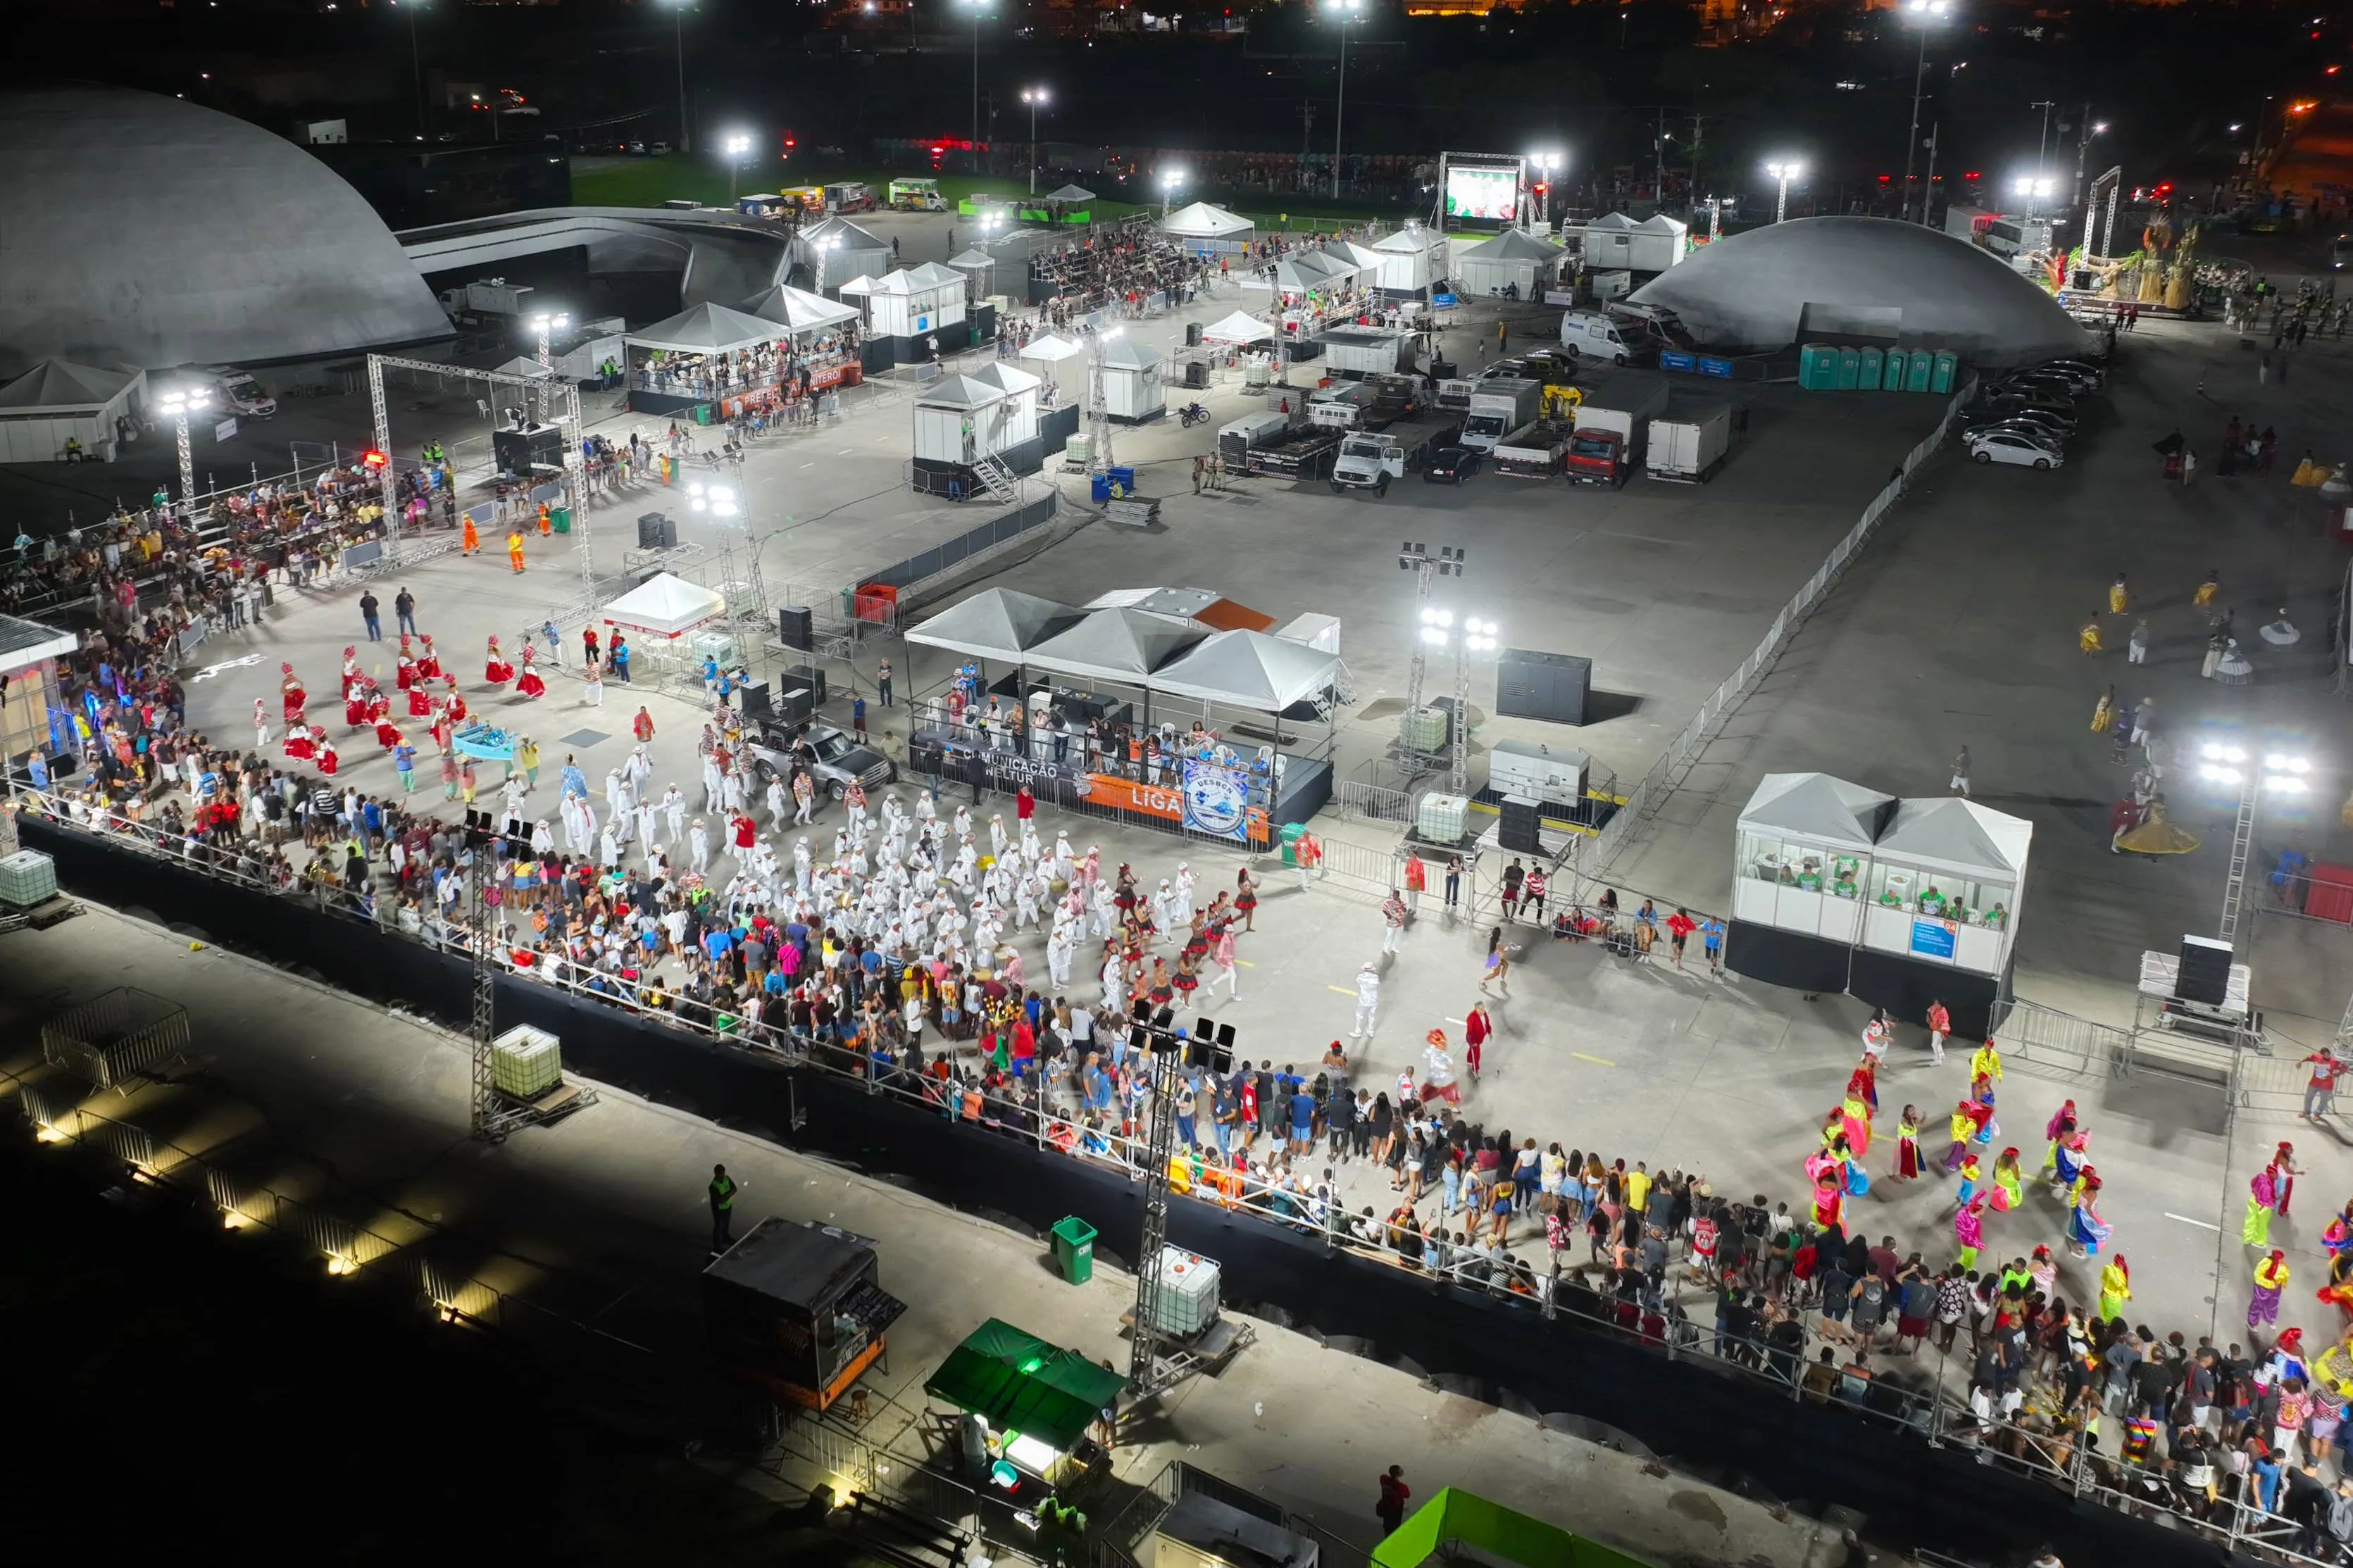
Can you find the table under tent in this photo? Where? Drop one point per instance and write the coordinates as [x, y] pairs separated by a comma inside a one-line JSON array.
[[1147, 661], [1208, 231]]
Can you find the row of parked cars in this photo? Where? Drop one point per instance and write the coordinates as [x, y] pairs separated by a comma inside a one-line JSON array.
[[2026, 417]]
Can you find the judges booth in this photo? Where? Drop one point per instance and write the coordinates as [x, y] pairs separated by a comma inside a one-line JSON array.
[[905, 311], [962, 421], [1837, 887]]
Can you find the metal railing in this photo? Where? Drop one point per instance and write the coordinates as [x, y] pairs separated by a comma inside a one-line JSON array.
[[1680, 752], [1103, 1133]]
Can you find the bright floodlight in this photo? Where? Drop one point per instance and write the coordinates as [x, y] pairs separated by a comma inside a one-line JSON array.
[[1437, 618], [2216, 751], [184, 399], [1785, 168], [2212, 773], [544, 321], [1434, 636], [1928, 9], [1035, 95], [2033, 185], [1345, 7], [736, 144], [1172, 178], [2279, 763]]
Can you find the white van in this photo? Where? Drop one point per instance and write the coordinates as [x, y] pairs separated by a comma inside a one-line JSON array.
[[1596, 334], [235, 392]]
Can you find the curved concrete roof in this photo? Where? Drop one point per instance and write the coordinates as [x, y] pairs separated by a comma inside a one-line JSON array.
[[1751, 291], [147, 230]]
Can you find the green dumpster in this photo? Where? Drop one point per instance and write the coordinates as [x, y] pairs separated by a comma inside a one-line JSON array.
[[1873, 362], [1292, 834], [1891, 374], [1074, 1249], [561, 519], [1947, 366]]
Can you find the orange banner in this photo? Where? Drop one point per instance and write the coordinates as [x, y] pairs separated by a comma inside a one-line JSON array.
[[1162, 800]]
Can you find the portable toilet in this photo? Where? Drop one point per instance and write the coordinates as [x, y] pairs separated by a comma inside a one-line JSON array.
[[1919, 370], [1891, 374], [1818, 367], [1850, 368], [1948, 368], [1873, 362]]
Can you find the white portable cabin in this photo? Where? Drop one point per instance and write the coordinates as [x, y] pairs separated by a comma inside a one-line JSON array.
[[1804, 855], [1133, 388], [59, 399], [1513, 259], [961, 420], [908, 304], [1413, 261], [835, 250], [1945, 877]]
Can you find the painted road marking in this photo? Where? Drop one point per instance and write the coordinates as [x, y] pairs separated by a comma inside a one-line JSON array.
[[1343, 990], [2200, 1224], [1597, 1061]]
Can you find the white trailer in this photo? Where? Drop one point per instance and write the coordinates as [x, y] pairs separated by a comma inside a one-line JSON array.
[[1688, 441]]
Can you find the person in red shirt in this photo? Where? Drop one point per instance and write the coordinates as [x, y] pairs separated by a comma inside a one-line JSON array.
[[1025, 805], [746, 831], [1680, 925], [1475, 1030], [1394, 1494]]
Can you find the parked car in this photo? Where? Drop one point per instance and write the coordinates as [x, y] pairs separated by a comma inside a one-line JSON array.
[[1451, 465], [2003, 404], [2057, 426], [832, 758], [2015, 447], [2047, 384], [2083, 373], [2032, 432]]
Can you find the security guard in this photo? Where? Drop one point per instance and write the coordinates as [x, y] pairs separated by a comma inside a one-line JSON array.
[[723, 1188]]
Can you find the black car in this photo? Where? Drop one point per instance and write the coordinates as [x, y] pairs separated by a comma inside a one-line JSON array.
[[1451, 465], [2042, 384]]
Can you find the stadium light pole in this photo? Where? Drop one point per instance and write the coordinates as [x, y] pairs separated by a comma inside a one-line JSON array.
[[1920, 14], [736, 144], [1783, 170], [678, 16], [1547, 165], [547, 325], [2231, 766], [1346, 11], [1170, 179], [177, 403], [1036, 98], [977, 7], [2034, 188]]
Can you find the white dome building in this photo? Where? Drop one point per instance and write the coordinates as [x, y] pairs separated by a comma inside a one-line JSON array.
[[147, 230], [1862, 276]]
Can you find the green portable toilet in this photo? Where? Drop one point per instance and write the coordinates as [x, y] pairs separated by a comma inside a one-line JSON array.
[[1873, 362], [1891, 374], [1818, 367], [1850, 368], [1949, 367], [1919, 371]]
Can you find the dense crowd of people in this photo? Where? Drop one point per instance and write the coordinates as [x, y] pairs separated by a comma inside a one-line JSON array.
[[1120, 269]]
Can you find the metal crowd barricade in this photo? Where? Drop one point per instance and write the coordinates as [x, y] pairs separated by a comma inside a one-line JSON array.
[[117, 1036]]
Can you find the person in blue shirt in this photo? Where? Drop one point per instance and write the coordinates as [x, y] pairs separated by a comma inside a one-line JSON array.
[[857, 717], [709, 672], [715, 945], [1711, 936], [1302, 1117], [2264, 1479], [574, 781]]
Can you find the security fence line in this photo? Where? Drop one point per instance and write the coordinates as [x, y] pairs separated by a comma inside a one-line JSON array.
[[1652, 791], [1655, 1321]]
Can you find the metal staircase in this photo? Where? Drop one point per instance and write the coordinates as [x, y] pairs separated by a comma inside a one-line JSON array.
[[997, 478]]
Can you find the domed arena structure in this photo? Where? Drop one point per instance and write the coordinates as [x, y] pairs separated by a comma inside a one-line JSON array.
[[1848, 277], [147, 230]]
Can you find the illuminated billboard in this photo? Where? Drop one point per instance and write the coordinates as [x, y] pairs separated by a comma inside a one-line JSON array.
[[1491, 195]]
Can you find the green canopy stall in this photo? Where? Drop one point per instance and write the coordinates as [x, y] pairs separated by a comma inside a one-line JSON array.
[[1031, 1408]]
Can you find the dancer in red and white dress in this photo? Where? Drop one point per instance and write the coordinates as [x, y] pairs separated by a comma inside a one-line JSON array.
[[495, 670], [355, 701], [420, 701], [291, 697], [454, 704], [429, 663], [380, 714], [326, 759], [530, 684], [404, 672]]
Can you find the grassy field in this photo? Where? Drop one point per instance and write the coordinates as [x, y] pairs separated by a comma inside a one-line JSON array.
[[623, 182]]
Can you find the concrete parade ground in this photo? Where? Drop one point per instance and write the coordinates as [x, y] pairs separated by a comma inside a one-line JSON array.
[[1956, 627]]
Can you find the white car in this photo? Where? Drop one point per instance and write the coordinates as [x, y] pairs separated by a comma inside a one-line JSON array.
[[2015, 447]]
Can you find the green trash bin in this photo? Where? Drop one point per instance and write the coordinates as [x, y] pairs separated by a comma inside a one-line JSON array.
[[702, 414], [1074, 1249], [560, 518], [1292, 833]]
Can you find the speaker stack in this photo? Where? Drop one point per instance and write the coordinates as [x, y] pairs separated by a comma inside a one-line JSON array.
[[657, 530], [2205, 971], [1519, 830], [796, 628]]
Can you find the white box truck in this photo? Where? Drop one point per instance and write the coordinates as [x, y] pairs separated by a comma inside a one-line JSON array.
[[1688, 441], [1598, 334], [1497, 408], [1610, 426]]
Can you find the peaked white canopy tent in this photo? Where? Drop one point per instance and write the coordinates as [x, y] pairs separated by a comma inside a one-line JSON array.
[[59, 400], [1512, 259], [1413, 260], [801, 313], [665, 607], [1241, 328]]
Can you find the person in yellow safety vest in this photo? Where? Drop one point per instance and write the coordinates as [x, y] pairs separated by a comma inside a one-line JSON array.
[[545, 520], [514, 548], [723, 1188]]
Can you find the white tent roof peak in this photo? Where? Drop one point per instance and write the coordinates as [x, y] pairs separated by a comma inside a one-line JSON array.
[[708, 327], [1249, 669], [1818, 806], [849, 235], [973, 255], [1048, 347], [1001, 623], [1660, 222], [1946, 831], [959, 392], [798, 308], [1117, 645], [1126, 353], [1513, 244], [933, 275], [1409, 240], [1202, 220], [1613, 220], [1069, 194], [1005, 377], [1238, 328], [65, 384], [665, 605]]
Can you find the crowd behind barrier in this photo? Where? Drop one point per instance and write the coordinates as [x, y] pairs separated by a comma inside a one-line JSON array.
[[2093, 1406]]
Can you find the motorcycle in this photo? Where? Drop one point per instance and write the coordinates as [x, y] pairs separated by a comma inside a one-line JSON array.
[[1193, 414]]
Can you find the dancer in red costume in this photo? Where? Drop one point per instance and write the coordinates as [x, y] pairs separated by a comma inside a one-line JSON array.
[[530, 685], [291, 695], [429, 663], [495, 670]]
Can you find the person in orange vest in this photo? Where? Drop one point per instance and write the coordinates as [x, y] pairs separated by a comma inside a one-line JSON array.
[[1309, 853], [1416, 878], [514, 548], [470, 540], [546, 522]]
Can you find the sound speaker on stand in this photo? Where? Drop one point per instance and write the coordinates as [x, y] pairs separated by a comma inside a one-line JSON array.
[[796, 628]]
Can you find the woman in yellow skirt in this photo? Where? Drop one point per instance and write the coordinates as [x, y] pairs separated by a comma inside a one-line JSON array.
[[2209, 588], [2119, 596], [2106, 713], [2088, 639]]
